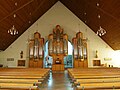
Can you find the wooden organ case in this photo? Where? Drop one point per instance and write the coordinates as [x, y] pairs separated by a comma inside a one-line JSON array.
[[36, 53], [80, 51], [58, 48]]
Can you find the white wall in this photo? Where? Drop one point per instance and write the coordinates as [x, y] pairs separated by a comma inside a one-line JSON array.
[[58, 14]]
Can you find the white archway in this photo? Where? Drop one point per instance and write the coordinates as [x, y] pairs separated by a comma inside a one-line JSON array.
[[68, 60]]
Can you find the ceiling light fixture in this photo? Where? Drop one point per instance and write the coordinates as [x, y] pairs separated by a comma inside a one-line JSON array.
[[16, 4], [101, 31], [13, 30]]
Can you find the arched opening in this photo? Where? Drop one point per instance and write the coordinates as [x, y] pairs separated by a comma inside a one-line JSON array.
[[68, 60], [47, 59]]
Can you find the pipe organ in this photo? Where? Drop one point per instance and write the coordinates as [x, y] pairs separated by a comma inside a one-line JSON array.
[[80, 51], [36, 53], [58, 47]]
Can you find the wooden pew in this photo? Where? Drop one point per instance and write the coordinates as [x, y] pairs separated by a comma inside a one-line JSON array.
[[26, 72], [27, 81], [95, 80], [84, 78], [90, 72], [97, 86], [18, 86], [24, 78]]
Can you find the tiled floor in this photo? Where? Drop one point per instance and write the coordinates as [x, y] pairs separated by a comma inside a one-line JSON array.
[[58, 81]]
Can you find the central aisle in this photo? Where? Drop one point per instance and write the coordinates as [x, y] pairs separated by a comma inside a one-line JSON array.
[[58, 81]]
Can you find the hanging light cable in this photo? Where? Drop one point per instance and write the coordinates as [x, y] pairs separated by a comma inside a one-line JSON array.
[[13, 30], [100, 31]]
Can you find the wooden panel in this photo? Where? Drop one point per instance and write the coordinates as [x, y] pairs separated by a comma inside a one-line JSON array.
[[81, 64], [40, 63], [76, 64], [31, 63], [85, 63], [21, 62], [58, 67], [36, 64], [96, 63]]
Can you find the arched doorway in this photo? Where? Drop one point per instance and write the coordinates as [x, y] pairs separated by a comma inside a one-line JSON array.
[[68, 60]]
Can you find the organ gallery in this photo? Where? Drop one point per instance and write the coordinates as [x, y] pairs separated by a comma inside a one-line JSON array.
[[36, 53], [58, 50], [58, 47]]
